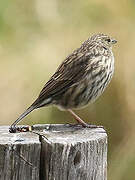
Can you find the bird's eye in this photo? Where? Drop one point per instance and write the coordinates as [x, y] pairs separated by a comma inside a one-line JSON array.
[[108, 40]]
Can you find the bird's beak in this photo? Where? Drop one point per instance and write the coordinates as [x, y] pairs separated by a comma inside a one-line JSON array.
[[114, 41]]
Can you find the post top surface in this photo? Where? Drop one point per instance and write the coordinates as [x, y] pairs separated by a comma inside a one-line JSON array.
[[66, 133], [17, 138]]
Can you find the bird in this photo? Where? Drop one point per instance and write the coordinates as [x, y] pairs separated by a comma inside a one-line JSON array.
[[79, 80]]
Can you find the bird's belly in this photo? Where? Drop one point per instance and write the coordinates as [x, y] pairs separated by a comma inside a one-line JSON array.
[[86, 92], [80, 96]]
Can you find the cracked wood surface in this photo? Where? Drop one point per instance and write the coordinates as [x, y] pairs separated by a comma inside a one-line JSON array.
[[56, 152], [19, 155]]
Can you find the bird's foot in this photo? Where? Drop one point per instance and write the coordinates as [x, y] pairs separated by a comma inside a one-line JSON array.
[[15, 129], [85, 125], [81, 122], [91, 126]]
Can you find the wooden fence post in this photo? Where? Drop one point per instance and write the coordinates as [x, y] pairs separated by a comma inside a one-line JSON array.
[[55, 152], [19, 155]]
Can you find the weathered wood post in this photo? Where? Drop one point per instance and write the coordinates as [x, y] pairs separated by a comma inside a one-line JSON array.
[[19, 155], [56, 152]]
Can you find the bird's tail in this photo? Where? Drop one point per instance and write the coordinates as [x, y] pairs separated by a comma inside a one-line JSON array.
[[37, 104], [31, 108]]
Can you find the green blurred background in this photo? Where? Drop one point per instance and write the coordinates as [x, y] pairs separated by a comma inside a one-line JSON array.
[[36, 35]]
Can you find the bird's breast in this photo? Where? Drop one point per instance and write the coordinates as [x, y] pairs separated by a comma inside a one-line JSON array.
[[98, 77]]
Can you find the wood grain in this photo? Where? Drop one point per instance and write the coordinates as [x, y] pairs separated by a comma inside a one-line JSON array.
[[19, 155], [73, 153], [55, 152]]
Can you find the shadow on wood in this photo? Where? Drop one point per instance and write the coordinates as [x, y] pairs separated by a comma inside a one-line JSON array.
[[54, 152]]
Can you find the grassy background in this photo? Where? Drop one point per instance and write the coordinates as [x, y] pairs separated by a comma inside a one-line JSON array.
[[36, 35]]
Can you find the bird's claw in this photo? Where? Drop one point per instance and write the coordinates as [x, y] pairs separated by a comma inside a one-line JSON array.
[[85, 125], [93, 126]]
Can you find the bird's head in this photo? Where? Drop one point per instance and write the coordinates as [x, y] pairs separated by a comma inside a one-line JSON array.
[[103, 40]]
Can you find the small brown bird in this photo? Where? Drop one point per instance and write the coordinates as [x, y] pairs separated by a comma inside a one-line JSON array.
[[80, 79]]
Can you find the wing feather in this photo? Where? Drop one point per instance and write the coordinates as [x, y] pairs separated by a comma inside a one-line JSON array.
[[72, 71], [67, 75]]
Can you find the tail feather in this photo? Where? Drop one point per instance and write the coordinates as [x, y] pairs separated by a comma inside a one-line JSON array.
[[37, 104], [31, 108]]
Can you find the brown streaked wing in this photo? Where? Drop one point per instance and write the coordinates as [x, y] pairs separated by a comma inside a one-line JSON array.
[[68, 74]]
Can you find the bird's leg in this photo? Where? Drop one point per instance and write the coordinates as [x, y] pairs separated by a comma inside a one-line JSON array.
[[80, 121]]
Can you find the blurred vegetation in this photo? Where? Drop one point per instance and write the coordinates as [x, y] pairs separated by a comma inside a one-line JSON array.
[[36, 35]]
